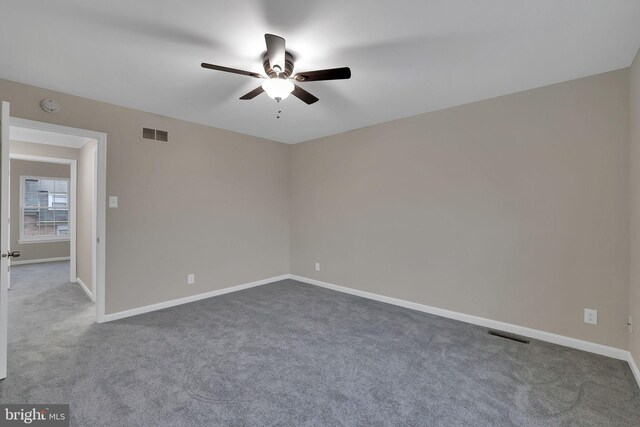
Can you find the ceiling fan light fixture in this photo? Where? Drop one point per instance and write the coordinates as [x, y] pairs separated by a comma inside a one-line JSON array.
[[277, 88], [278, 66]]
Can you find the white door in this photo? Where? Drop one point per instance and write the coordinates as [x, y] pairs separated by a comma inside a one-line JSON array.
[[8, 176], [4, 233]]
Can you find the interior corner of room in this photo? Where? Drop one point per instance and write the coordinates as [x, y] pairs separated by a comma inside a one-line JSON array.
[[447, 219], [238, 250]]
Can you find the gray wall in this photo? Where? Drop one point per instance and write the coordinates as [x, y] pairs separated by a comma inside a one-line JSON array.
[[40, 250], [634, 296], [514, 209], [210, 202]]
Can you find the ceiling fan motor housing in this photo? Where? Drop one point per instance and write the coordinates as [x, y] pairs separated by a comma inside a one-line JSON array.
[[288, 66]]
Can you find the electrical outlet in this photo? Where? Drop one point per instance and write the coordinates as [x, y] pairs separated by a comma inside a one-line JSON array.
[[630, 324], [191, 279], [591, 316], [317, 266]]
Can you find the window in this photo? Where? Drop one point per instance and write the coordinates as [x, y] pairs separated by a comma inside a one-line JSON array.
[[44, 209]]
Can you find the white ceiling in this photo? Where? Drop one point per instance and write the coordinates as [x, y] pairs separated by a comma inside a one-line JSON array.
[[407, 56]]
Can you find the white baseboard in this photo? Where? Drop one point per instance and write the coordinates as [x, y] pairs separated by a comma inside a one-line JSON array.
[[85, 289], [36, 261], [634, 368], [166, 304], [591, 347]]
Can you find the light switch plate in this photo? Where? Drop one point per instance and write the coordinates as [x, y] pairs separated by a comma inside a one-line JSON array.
[[113, 201], [591, 316]]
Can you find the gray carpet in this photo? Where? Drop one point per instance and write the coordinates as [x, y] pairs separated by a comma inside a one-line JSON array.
[[293, 354]]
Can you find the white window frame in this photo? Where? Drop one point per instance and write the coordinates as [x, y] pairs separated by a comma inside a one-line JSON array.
[[42, 239]]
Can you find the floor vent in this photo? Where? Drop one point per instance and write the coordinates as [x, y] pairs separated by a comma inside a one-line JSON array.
[[507, 335], [149, 134]]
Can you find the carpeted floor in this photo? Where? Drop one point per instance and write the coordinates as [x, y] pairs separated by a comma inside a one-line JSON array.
[[293, 354]]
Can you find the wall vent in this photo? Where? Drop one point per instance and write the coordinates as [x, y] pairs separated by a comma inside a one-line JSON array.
[[149, 134], [507, 335]]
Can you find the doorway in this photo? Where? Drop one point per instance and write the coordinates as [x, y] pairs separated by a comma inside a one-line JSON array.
[[48, 135], [83, 151]]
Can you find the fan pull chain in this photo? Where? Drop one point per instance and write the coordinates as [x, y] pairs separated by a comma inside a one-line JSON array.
[[279, 109]]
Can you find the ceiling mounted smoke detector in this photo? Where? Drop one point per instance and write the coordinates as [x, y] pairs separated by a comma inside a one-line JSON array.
[[50, 106]]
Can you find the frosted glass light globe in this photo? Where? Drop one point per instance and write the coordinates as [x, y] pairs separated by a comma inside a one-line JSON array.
[[277, 88]]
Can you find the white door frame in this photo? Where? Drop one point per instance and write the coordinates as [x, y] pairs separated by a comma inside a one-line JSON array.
[[73, 186], [99, 221]]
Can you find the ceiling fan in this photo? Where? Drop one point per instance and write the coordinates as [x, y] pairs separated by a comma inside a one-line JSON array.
[[278, 66]]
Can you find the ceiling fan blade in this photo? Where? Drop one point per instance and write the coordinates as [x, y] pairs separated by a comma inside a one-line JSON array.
[[330, 74], [275, 52], [302, 94], [257, 91], [230, 70]]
